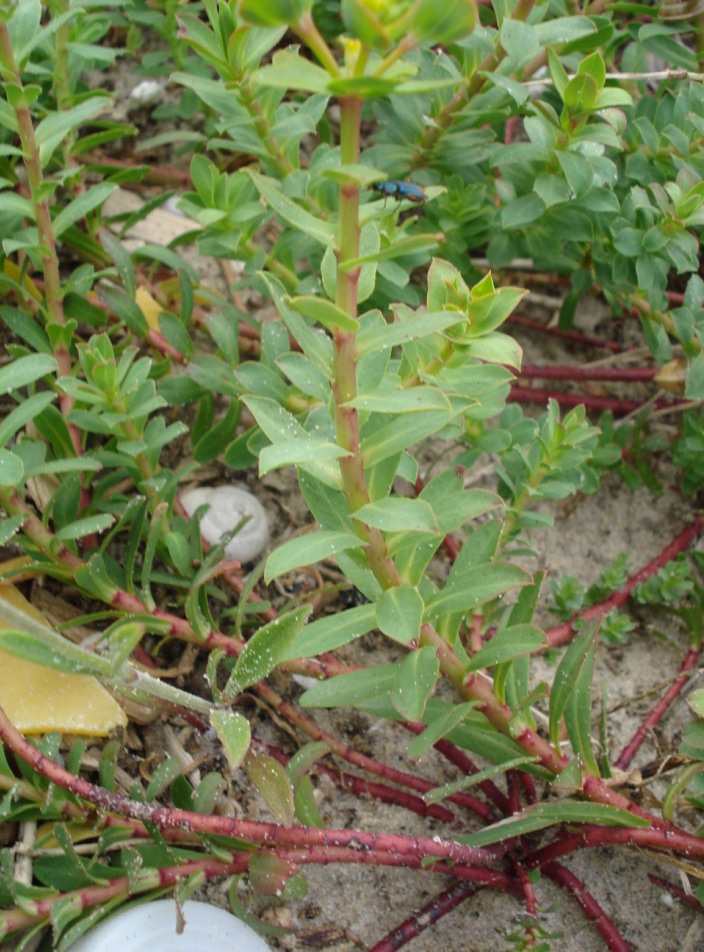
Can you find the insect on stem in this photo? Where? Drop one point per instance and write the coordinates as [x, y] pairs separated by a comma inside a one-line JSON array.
[[400, 190]]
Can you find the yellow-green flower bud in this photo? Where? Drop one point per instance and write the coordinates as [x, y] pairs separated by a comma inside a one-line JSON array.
[[443, 22], [272, 13]]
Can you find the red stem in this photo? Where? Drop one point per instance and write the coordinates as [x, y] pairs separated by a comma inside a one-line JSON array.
[[667, 840], [377, 791], [588, 373], [423, 918], [528, 890], [260, 833], [541, 396], [562, 633], [576, 337], [400, 777], [325, 855], [460, 759], [91, 896], [466, 766], [660, 709], [677, 892], [591, 908]]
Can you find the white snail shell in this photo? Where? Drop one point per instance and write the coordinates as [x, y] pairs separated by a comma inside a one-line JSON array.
[[229, 506]]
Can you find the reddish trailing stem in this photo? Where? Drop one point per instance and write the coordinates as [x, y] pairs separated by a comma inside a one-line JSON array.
[[665, 840], [576, 337], [562, 633], [377, 791], [660, 709], [467, 767], [677, 892], [591, 908], [414, 849], [539, 395], [81, 899], [312, 730], [588, 373], [421, 920]]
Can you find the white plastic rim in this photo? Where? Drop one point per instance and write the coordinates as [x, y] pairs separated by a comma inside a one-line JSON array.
[[152, 928]]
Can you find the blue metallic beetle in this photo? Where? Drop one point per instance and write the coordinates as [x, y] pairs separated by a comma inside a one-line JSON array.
[[400, 190]]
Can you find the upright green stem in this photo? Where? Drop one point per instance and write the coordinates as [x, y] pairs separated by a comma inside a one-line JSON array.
[[344, 378], [344, 387], [42, 213]]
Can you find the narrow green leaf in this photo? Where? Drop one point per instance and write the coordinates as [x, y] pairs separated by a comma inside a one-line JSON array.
[[510, 643], [55, 653], [272, 781], [558, 73], [439, 727], [551, 814], [454, 510], [324, 312], [415, 679], [307, 812], [578, 712], [398, 514], [412, 245], [568, 675], [25, 370], [351, 173], [81, 206], [488, 311], [214, 375], [399, 613], [265, 649], [11, 468], [332, 632], [234, 733], [412, 400], [308, 549], [296, 452], [57, 125], [12, 204], [353, 688], [475, 586], [280, 426], [399, 434], [408, 325], [9, 526], [22, 414], [289, 70], [292, 213], [88, 526], [581, 93], [163, 777], [447, 790], [125, 308]]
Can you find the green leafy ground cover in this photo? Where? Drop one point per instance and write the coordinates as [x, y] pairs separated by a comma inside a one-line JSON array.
[[393, 180]]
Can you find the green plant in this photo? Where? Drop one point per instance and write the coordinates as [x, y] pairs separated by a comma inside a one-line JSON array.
[[380, 345]]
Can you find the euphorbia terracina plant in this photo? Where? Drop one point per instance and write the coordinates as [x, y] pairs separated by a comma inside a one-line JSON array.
[[351, 155]]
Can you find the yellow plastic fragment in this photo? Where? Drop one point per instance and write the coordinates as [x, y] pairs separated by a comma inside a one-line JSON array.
[[672, 376], [38, 699], [149, 307]]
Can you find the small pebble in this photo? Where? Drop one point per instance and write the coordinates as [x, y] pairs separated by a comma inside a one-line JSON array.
[[147, 93], [229, 505]]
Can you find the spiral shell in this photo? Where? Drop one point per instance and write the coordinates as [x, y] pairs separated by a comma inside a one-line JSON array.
[[228, 507]]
